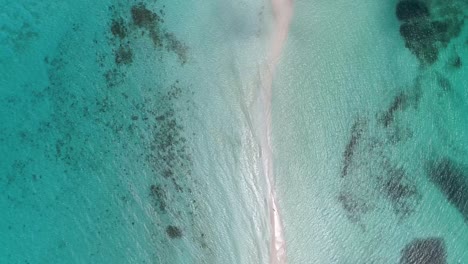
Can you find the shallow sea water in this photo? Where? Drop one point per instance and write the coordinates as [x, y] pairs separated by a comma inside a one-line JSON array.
[[125, 132], [129, 132], [371, 142]]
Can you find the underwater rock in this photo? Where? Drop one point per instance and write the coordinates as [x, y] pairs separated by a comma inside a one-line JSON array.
[[159, 196], [424, 251], [123, 55], [155, 38], [407, 10], [174, 232], [418, 31], [424, 32], [454, 62], [419, 39], [400, 191], [400, 102], [444, 83], [356, 134], [397, 190], [354, 206], [144, 18], [176, 46], [451, 179], [114, 77], [118, 28], [457, 63]]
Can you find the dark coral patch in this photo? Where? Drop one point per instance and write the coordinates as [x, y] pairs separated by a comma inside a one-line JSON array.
[[356, 134], [426, 33], [123, 55], [173, 232], [118, 28], [159, 196], [451, 179], [419, 40], [155, 38], [407, 10], [151, 24], [354, 206], [174, 45], [444, 83], [424, 251], [397, 190], [456, 62], [446, 30], [113, 77], [418, 31], [143, 17], [399, 103], [401, 192]]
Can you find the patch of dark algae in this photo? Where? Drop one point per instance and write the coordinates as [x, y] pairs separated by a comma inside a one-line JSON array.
[[399, 190], [370, 178], [156, 138], [356, 134], [425, 32], [170, 151], [399, 103], [165, 150], [143, 17], [136, 23], [451, 178], [173, 231], [123, 55], [159, 196], [456, 62], [424, 251], [174, 45], [169, 157], [354, 206], [118, 28], [419, 40], [407, 10]]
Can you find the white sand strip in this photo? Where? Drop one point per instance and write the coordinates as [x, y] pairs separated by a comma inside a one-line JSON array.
[[282, 11]]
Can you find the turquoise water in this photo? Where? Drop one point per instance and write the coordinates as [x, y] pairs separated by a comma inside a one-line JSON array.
[[108, 154], [371, 141], [129, 132]]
